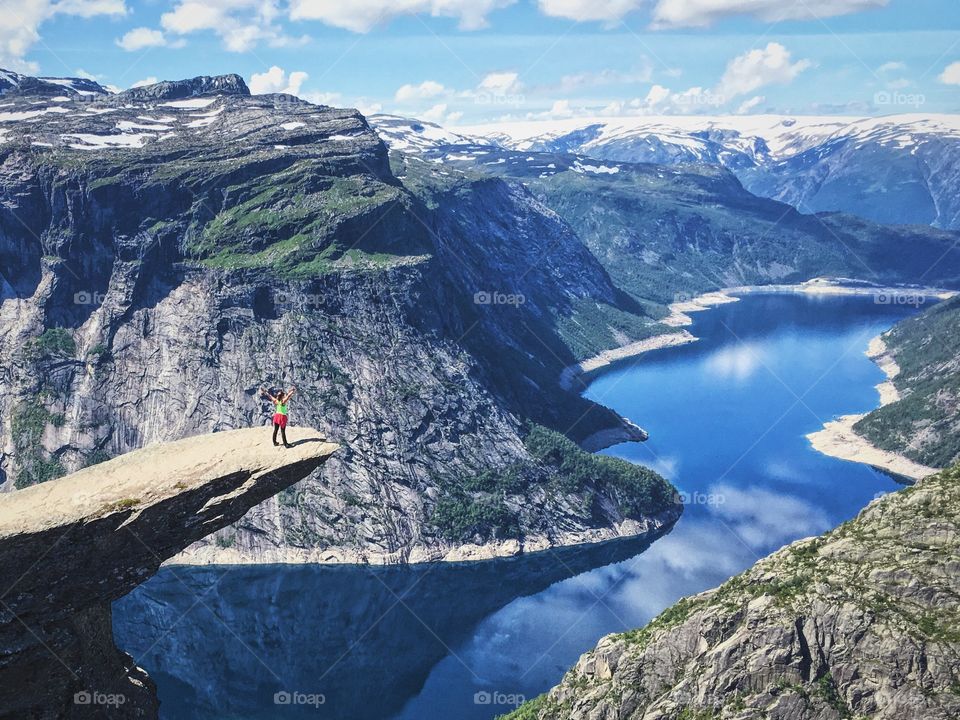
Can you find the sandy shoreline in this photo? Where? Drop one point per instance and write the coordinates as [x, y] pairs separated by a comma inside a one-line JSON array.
[[839, 439], [608, 357], [647, 528]]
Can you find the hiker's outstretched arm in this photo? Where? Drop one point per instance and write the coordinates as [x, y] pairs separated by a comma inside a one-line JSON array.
[[264, 392], [291, 391]]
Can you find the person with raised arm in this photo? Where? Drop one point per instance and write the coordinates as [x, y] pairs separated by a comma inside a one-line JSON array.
[[280, 404]]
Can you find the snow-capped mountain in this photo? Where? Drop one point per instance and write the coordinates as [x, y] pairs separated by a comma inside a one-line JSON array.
[[893, 169], [66, 87]]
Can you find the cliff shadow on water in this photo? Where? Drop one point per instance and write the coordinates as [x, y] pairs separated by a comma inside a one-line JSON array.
[[223, 641]]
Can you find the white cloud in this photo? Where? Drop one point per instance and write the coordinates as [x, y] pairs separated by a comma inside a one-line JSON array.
[[660, 99], [439, 113], [323, 98], [141, 37], [606, 11], [90, 8], [590, 79], [950, 74], [19, 29], [657, 94], [763, 518], [560, 109], [241, 24], [699, 13], [425, 90], [369, 108], [435, 114], [152, 80], [501, 83], [748, 105], [674, 13], [276, 80], [362, 15], [891, 66], [612, 109], [756, 68]]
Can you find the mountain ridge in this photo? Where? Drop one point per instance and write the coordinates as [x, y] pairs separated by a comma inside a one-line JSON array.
[[902, 168]]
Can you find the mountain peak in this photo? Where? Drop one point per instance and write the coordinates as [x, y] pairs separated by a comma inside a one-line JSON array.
[[11, 81], [231, 84]]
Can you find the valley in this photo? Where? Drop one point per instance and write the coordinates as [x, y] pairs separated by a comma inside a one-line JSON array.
[[589, 355]]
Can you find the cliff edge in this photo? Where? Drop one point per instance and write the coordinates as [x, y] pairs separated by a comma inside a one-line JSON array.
[[70, 547]]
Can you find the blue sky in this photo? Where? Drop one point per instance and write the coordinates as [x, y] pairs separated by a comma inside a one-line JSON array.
[[469, 61]]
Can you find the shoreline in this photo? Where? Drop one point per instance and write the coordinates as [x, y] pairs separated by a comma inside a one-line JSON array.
[[839, 439], [650, 528], [679, 316]]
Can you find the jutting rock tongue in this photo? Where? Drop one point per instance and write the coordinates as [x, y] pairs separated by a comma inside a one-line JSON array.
[[70, 547]]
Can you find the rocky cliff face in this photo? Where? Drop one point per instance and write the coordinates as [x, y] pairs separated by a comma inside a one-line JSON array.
[[70, 547], [167, 250], [860, 622]]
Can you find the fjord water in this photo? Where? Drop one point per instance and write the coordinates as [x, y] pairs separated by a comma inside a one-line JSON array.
[[727, 418]]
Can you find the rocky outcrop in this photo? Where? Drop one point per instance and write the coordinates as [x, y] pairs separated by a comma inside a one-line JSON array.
[[180, 89], [70, 547], [165, 252], [860, 622]]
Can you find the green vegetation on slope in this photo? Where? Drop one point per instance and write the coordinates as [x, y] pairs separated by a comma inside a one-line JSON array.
[[29, 422], [487, 506], [301, 224], [594, 327], [54, 343], [924, 424]]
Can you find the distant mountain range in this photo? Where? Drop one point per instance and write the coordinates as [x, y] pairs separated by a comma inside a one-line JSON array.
[[902, 169], [669, 229]]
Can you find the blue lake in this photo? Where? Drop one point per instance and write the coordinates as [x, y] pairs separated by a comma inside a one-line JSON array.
[[727, 418]]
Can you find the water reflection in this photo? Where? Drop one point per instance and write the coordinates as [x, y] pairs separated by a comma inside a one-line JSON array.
[[224, 641]]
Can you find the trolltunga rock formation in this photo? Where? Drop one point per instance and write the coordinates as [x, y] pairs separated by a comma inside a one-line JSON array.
[[70, 547]]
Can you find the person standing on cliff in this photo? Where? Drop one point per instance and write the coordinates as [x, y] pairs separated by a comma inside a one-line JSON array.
[[280, 403]]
